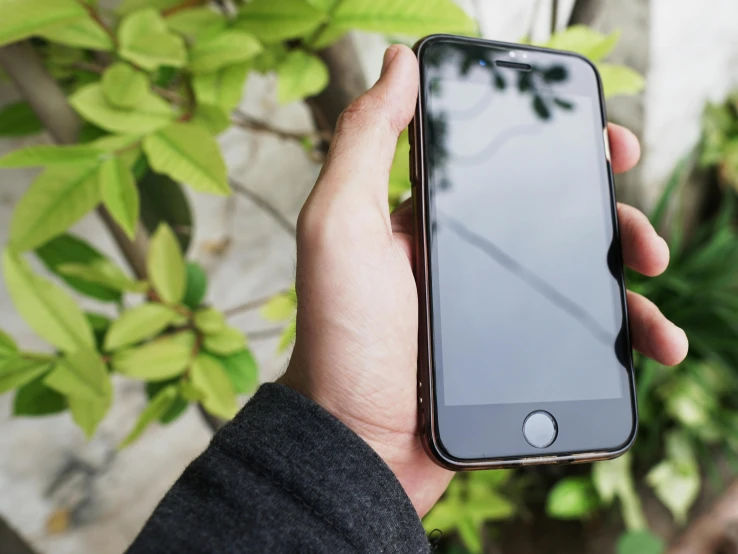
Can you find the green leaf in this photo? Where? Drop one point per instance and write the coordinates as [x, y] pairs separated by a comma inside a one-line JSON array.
[[195, 22], [242, 370], [23, 18], [81, 373], [211, 118], [189, 154], [145, 40], [223, 49], [56, 200], [119, 194], [16, 372], [270, 58], [209, 320], [223, 88], [288, 336], [197, 284], [620, 80], [158, 406], [88, 413], [676, 480], [300, 75], [156, 361], [572, 498], [139, 323], [100, 325], [323, 5], [640, 542], [18, 120], [585, 41], [113, 143], [278, 20], [47, 309], [36, 399], [163, 201], [48, 155], [66, 250], [399, 180], [613, 478], [471, 535], [55, 255], [128, 6], [208, 376], [279, 307], [123, 86], [151, 112], [327, 36], [411, 17], [166, 265], [179, 405], [225, 342], [83, 33], [8, 348], [102, 272]]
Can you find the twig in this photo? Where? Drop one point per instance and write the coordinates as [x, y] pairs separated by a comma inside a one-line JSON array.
[[245, 121], [96, 17], [253, 304], [263, 334], [265, 205], [183, 6]]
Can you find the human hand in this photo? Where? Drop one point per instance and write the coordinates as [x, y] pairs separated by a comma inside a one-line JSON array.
[[357, 318]]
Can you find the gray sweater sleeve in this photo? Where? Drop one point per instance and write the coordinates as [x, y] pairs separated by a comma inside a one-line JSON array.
[[284, 476]]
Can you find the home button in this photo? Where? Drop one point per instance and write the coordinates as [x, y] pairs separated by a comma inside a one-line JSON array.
[[540, 429]]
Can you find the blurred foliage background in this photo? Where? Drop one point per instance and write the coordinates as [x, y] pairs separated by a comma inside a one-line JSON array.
[[141, 92]]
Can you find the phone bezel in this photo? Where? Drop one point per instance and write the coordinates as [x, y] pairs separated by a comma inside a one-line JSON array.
[[427, 397]]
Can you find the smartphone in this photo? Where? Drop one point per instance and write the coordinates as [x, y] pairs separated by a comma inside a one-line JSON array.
[[524, 350]]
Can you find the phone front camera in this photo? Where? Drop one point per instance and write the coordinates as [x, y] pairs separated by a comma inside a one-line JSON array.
[[482, 62]]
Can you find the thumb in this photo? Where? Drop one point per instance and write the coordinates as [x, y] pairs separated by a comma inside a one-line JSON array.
[[366, 133]]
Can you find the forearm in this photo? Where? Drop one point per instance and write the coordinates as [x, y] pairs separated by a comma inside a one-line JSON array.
[[284, 476]]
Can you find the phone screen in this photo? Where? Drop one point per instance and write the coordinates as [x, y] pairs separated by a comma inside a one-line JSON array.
[[527, 307]]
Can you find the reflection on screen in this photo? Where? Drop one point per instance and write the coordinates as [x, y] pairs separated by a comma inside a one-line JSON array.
[[525, 307]]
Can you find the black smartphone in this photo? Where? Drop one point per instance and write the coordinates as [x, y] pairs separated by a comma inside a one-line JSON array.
[[524, 350]]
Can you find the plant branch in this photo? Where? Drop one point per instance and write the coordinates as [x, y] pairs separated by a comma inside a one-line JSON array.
[[245, 121], [265, 205], [183, 6], [97, 19], [48, 100], [252, 304], [262, 334]]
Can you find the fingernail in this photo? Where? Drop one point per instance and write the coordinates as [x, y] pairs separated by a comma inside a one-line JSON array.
[[389, 55]]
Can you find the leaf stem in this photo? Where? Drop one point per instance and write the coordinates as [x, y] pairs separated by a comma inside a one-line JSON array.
[[99, 20], [265, 205]]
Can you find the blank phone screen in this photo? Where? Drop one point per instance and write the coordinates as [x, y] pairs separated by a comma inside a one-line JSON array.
[[526, 307]]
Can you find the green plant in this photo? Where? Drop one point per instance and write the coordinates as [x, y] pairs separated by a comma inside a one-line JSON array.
[[153, 81]]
